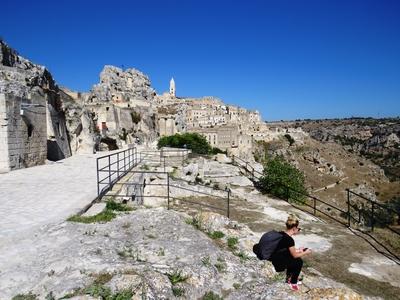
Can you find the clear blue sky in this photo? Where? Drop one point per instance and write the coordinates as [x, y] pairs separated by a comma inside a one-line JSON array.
[[288, 59]]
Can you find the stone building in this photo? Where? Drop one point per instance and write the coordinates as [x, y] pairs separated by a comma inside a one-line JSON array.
[[33, 125]]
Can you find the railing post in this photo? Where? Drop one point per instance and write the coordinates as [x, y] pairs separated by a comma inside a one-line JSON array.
[[315, 206], [98, 180], [135, 157], [348, 209], [372, 216], [130, 150], [118, 165], [168, 190], [228, 210], [124, 160], [109, 171]]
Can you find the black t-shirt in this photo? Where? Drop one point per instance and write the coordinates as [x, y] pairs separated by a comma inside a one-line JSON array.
[[281, 255]]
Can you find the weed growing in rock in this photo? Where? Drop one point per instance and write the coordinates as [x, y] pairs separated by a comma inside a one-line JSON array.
[[220, 265], [195, 222], [176, 277], [232, 243], [216, 235], [112, 205], [278, 277], [28, 296], [161, 252], [206, 261], [130, 252], [211, 296], [144, 167], [177, 291], [104, 216], [236, 286], [242, 255]]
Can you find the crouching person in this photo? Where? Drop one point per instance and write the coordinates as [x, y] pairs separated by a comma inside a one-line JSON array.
[[286, 256]]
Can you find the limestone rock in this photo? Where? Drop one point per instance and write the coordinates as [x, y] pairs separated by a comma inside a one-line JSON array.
[[119, 85]]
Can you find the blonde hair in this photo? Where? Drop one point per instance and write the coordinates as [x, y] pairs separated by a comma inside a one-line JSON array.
[[292, 221]]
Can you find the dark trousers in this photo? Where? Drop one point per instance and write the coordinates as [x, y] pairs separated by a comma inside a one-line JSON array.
[[293, 268]]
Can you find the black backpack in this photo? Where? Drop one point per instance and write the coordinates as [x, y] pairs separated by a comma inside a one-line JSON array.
[[267, 245]]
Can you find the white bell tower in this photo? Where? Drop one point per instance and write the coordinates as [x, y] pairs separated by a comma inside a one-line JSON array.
[[172, 91]]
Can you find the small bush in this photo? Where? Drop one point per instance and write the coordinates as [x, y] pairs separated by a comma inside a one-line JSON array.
[[216, 235], [283, 180], [290, 139], [232, 243], [112, 205]]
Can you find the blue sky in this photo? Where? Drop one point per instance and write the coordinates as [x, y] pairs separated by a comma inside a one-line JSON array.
[[288, 59]]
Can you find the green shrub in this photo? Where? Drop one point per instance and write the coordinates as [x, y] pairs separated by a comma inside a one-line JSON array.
[[232, 242], [112, 205], [216, 235], [194, 141], [283, 180], [290, 139], [211, 296]]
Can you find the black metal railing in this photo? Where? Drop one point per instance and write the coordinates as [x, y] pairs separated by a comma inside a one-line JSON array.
[[167, 193], [370, 211], [107, 176]]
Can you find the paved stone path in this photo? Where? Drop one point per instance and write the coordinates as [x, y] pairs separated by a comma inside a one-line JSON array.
[[46, 194]]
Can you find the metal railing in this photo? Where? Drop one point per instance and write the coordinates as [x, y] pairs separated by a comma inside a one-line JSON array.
[[167, 193], [123, 160], [370, 213]]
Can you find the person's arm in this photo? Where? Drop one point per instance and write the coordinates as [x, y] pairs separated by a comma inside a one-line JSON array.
[[297, 254]]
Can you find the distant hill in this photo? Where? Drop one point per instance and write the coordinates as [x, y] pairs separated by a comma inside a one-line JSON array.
[[375, 139]]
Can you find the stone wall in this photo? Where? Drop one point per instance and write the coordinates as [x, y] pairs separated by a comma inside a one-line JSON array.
[[23, 133]]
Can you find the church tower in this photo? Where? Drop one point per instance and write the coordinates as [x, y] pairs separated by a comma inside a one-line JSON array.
[[172, 91]]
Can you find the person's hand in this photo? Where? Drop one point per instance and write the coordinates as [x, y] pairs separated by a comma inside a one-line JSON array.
[[307, 250]]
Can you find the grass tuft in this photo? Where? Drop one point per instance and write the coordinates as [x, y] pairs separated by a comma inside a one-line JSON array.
[[176, 277], [103, 217], [216, 235]]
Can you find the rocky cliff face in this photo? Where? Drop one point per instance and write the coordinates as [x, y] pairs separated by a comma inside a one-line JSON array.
[[122, 86], [375, 139], [122, 107]]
